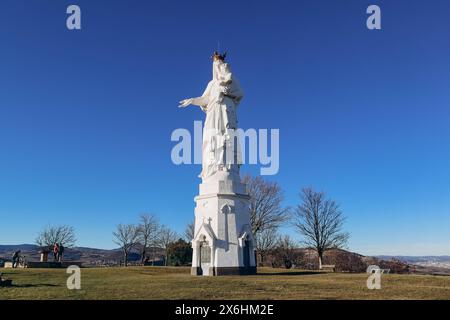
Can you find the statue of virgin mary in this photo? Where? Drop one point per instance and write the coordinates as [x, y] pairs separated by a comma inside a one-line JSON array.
[[219, 101]]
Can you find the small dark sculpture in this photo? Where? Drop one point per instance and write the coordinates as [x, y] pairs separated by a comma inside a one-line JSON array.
[[4, 282]]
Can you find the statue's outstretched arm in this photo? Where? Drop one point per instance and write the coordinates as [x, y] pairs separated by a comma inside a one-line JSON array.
[[201, 101]]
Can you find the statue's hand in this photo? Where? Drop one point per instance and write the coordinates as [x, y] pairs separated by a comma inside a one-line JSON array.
[[184, 103]]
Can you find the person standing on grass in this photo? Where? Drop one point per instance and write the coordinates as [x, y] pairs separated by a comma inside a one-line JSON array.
[[55, 252], [61, 251], [15, 258]]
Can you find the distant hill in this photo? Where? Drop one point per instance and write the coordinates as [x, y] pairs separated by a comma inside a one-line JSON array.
[[414, 259], [15, 247], [88, 256], [425, 264]]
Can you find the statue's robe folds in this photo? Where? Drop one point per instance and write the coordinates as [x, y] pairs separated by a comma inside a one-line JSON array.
[[219, 101]]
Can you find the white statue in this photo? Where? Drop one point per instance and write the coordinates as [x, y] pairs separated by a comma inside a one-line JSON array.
[[219, 102], [223, 241]]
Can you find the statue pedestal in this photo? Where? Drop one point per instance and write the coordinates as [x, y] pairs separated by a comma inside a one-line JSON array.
[[223, 243]]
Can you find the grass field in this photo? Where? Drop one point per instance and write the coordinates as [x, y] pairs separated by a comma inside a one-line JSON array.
[[177, 283]]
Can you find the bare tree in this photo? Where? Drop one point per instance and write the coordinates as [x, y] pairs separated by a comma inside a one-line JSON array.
[[266, 210], [319, 221], [266, 240], [166, 237], [126, 236], [52, 235], [286, 249], [189, 231], [148, 231]]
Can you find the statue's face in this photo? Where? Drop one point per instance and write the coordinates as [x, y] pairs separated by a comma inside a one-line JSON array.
[[218, 69], [218, 64]]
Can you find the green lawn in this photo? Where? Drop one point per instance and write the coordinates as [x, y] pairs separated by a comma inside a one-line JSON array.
[[177, 283]]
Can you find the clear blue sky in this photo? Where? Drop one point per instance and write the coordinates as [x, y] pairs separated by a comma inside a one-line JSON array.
[[86, 116]]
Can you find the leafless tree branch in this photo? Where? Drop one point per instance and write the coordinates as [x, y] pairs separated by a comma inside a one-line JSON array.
[[126, 236], [166, 237], [320, 221], [50, 235], [266, 210], [189, 231], [148, 232]]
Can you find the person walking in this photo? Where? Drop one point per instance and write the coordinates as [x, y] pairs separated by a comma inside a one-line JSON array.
[[15, 258]]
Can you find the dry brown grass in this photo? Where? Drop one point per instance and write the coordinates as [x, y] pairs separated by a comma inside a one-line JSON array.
[[177, 283]]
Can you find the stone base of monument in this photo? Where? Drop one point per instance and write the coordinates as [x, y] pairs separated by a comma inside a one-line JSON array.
[[224, 271], [64, 264], [223, 243]]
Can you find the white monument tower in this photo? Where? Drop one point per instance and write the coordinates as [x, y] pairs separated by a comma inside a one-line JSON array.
[[223, 243]]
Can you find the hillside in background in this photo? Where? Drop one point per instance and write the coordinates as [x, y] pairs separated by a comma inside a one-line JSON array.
[[437, 261], [88, 256], [425, 264]]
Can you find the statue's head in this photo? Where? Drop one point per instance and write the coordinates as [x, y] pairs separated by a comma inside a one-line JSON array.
[[219, 57], [220, 67]]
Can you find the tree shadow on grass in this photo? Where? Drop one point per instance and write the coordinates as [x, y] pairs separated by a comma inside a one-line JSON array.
[[290, 273]]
